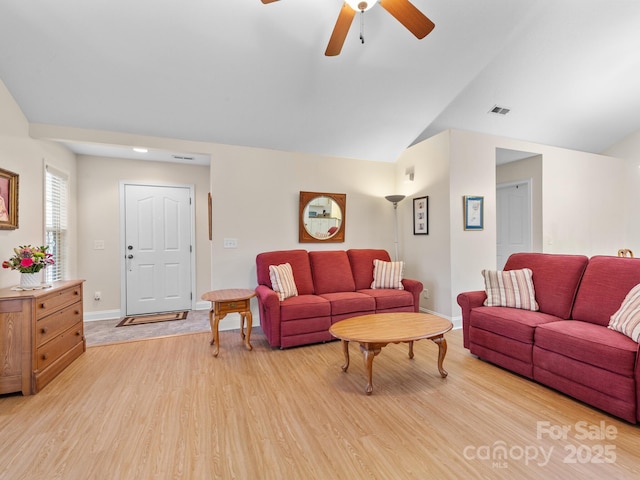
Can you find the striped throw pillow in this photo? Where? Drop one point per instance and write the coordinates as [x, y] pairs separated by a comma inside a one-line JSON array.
[[387, 274], [627, 319], [510, 288], [282, 281]]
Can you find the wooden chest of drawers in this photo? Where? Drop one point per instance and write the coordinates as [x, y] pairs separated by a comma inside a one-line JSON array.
[[41, 333]]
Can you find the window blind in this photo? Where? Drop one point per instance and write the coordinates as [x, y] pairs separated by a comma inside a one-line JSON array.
[[56, 225]]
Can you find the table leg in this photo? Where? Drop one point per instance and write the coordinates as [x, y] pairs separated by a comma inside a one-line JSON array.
[[411, 349], [345, 350], [442, 351], [249, 318], [214, 320], [242, 319], [211, 322], [369, 350]]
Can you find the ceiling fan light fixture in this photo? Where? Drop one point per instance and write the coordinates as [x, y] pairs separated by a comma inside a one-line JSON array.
[[361, 6]]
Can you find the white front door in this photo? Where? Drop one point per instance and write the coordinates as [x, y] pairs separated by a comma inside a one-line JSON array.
[[513, 220], [157, 248]]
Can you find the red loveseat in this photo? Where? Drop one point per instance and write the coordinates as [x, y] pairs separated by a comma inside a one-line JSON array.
[[566, 345], [332, 285]]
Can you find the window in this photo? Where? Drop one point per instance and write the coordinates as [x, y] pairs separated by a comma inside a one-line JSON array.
[[56, 234]]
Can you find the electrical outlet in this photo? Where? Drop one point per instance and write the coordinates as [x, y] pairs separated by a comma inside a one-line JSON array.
[[425, 293], [230, 243], [97, 296]]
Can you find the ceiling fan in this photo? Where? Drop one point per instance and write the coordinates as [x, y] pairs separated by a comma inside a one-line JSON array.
[[403, 10]]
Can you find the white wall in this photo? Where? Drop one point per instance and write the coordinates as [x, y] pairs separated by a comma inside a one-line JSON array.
[[589, 203], [256, 200], [428, 257], [584, 196], [629, 150], [22, 155]]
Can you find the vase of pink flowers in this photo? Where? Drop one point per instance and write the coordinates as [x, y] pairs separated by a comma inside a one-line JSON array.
[[29, 261]]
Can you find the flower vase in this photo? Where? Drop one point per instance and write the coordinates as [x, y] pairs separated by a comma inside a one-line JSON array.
[[29, 281]]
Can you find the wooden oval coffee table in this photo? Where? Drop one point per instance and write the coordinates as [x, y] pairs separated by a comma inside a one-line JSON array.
[[377, 330]]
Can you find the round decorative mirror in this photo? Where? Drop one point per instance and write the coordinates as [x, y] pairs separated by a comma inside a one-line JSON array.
[[322, 217]]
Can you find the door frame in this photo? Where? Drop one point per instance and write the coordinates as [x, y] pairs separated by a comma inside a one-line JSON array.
[[122, 238]]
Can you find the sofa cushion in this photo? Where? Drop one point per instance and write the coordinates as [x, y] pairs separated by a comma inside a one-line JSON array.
[[509, 322], [299, 261], [389, 299], [606, 282], [589, 343], [510, 288], [627, 319], [282, 280], [350, 302], [331, 272], [304, 306], [361, 260], [555, 278], [387, 274]]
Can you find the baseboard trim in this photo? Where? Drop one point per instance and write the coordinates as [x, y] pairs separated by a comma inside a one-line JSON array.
[[457, 321], [113, 314]]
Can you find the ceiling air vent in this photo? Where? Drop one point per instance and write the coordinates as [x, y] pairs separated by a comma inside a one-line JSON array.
[[181, 157], [498, 110]]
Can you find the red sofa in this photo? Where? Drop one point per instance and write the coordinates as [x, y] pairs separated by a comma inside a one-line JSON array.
[[332, 285], [566, 345]]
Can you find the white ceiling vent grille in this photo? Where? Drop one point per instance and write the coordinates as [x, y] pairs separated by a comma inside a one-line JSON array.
[[182, 157], [498, 110]]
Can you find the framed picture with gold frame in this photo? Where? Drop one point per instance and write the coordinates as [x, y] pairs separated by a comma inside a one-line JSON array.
[[8, 200]]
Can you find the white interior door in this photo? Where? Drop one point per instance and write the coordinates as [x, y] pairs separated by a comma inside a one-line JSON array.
[[157, 246], [513, 212]]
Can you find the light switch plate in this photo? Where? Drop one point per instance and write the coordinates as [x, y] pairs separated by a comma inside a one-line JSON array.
[[230, 243]]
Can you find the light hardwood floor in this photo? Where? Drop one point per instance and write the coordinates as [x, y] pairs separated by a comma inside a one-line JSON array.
[[165, 408]]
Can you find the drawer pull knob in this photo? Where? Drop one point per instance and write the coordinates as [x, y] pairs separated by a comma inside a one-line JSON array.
[[45, 356], [78, 333], [44, 330], [42, 305], [232, 305]]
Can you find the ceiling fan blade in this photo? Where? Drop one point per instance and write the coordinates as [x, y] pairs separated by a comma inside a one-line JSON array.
[[409, 16], [269, 1], [345, 18]]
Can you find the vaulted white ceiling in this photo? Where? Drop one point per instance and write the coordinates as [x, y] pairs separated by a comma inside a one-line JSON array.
[[243, 73]]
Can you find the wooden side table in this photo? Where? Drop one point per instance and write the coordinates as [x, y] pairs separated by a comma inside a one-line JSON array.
[[233, 300]]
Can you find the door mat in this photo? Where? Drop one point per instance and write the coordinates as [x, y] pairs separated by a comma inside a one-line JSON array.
[[153, 318]]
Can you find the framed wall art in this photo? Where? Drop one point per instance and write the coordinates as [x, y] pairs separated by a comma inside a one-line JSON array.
[[8, 200], [421, 216], [473, 213]]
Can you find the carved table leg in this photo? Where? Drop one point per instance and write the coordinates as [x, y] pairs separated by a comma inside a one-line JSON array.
[[345, 350], [247, 315], [214, 328], [370, 350], [212, 323], [411, 349], [242, 319], [442, 351]]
